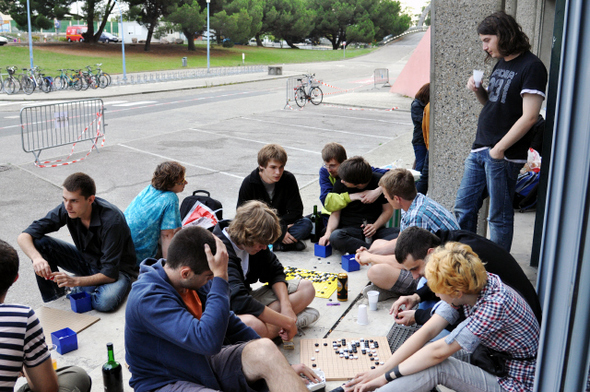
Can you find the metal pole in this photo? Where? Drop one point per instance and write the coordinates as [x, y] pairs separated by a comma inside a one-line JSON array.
[[122, 41], [208, 36], [30, 34]]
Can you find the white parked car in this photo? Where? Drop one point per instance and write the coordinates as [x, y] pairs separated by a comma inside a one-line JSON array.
[[3, 40]]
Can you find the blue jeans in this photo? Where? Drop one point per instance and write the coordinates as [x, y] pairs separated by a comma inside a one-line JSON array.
[[497, 177], [301, 229], [58, 253], [420, 154]]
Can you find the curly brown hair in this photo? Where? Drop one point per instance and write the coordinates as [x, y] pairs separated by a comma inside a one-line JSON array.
[[255, 223], [167, 175]]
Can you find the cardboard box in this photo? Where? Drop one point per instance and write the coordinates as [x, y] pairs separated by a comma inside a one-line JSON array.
[[65, 339], [81, 302], [349, 264], [322, 251]]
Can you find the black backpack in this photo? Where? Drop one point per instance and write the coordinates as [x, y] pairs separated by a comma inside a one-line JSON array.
[[201, 210]]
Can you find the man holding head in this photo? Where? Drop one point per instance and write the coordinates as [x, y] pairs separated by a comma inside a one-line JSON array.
[[22, 342], [278, 188], [102, 258], [348, 228], [279, 308], [180, 334]]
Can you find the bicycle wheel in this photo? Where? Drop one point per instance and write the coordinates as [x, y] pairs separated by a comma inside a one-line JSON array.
[[11, 86], [28, 85], [77, 83], [84, 83], [60, 83], [103, 81], [92, 82], [45, 84], [108, 79], [300, 97], [316, 95]]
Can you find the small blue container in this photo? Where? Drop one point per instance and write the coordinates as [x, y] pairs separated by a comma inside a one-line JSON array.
[[322, 251], [349, 264], [65, 339], [81, 302]]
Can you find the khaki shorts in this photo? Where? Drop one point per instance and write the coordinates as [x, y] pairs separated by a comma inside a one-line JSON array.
[[266, 296]]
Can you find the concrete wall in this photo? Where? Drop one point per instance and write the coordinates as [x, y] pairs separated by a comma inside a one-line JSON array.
[[455, 52]]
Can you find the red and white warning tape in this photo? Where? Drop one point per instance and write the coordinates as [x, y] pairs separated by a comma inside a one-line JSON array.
[[64, 162]]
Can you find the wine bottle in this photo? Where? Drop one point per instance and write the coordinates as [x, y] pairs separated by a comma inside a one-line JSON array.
[[112, 373], [314, 236]]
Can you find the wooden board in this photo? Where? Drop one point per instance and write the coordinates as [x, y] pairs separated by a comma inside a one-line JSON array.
[[336, 368], [54, 319], [325, 283]]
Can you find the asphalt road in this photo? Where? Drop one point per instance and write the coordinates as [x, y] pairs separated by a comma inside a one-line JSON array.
[[214, 132]]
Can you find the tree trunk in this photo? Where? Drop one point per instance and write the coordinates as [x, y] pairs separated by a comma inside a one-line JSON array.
[[108, 9], [291, 44], [258, 40], [148, 40], [89, 34], [190, 38]]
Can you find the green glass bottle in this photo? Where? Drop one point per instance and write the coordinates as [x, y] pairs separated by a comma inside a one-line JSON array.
[[112, 373], [314, 236]]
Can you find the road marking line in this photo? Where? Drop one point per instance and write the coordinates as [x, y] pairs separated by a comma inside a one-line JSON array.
[[11, 117], [254, 141], [181, 162], [135, 103]]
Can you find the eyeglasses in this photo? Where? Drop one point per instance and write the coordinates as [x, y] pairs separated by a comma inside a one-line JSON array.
[[183, 182], [330, 167]]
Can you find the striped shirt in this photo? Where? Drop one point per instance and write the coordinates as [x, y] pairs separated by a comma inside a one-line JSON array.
[[22, 342], [428, 214]]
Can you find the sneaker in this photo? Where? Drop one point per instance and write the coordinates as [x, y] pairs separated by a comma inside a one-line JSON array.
[[383, 294], [307, 317], [297, 246]]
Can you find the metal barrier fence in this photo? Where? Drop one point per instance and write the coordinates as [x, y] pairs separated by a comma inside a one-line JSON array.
[[59, 124], [155, 77], [294, 82], [381, 76]]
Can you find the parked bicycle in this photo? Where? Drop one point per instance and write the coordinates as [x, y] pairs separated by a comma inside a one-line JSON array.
[[43, 82], [308, 90], [27, 83], [104, 79], [11, 84]]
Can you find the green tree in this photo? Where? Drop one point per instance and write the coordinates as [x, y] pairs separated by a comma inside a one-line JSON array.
[[42, 12], [363, 31], [148, 13], [332, 19], [240, 20], [188, 17], [290, 20]]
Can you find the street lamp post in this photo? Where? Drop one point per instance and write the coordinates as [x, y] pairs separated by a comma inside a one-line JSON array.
[[122, 42], [208, 36], [30, 34]]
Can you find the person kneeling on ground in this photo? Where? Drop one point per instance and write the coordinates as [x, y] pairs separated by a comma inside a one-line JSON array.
[[22, 342], [349, 228], [280, 307], [498, 318], [178, 323]]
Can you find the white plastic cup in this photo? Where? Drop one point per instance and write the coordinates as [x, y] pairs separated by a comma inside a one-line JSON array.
[[477, 76], [373, 296], [363, 317]]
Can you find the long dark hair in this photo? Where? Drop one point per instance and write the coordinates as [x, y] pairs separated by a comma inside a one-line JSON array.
[[511, 38]]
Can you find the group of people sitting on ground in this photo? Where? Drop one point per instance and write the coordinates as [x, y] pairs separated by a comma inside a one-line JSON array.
[[193, 321]]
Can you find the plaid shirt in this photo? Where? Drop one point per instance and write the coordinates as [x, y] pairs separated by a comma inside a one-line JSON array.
[[502, 320], [428, 214]]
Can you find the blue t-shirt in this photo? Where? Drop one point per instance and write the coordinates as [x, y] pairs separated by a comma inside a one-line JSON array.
[[149, 213]]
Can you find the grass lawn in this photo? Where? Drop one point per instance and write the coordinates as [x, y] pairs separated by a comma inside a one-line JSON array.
[[53, 56]]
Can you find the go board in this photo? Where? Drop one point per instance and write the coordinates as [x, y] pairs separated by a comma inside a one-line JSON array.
[[331, 359], [325, 283]]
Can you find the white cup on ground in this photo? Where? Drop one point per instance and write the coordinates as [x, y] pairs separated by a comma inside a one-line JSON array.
[[363, 318], [373, 296], [477, 76]]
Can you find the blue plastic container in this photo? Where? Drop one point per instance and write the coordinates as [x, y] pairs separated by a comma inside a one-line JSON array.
[[349, 264], [322, 251], [65, 339], [81, 302]]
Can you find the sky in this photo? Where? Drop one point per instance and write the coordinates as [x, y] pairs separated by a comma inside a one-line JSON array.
[[415, 6]]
